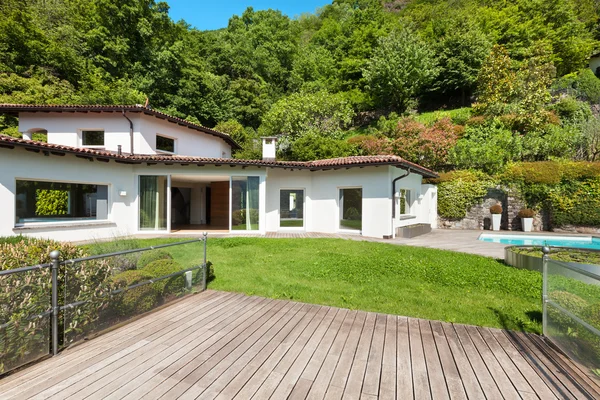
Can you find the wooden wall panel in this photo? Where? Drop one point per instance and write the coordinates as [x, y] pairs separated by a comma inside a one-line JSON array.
[[219, 207]]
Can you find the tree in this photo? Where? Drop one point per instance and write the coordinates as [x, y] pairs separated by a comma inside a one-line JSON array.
[[495, 83], [300, 113], [401, 67]]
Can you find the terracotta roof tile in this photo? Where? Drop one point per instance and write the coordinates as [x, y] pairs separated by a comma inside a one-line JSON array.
[[332, 163]]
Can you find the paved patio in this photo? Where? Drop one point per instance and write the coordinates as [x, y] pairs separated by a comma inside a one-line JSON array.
[[226, 345]]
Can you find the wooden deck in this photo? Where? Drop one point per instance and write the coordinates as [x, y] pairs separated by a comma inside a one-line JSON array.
[[225, 345]]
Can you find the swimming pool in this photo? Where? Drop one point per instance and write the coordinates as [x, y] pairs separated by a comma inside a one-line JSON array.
[[582, 242]]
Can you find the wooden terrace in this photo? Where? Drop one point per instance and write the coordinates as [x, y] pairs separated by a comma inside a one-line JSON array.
[[232, 346]]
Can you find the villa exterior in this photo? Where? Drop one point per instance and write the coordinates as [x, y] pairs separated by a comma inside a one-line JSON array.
[[109, 171]]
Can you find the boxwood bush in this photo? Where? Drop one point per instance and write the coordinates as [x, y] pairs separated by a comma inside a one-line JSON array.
[[152, 255], [164, 267], [138, 300]]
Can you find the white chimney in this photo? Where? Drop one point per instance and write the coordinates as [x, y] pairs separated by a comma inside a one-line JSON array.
[[268, 148]]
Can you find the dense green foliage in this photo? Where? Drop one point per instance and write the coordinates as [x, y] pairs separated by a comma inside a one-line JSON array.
[[460, 190], [51, 202], [148, 257], [330, 75]]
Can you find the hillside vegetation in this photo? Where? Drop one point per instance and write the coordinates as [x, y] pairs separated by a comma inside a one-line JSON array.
[[353, 78]]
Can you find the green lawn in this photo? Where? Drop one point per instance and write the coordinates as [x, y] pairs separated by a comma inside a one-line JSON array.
[[291, 223], [410, 281], [351, 224]]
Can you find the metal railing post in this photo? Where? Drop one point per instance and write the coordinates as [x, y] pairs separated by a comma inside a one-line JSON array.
[[545, 258], [55, 256], [205, 266]]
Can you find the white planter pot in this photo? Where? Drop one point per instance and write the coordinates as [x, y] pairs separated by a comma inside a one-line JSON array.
[[496, 218], [527, 224]]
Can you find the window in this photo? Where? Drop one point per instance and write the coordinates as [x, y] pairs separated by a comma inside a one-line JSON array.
[[403, 202], [92, 138], [244, 203], [291, 208], [351, 209], [153, 203], [165, 144], [58, 201]]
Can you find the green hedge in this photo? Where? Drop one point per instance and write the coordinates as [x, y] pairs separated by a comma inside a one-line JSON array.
[[151, 256], [164, 267], [459, 190], [51, 202]]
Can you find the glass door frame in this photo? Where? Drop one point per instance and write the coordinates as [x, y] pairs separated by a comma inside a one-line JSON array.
[[340, 210], [139, 204], [299, 228]]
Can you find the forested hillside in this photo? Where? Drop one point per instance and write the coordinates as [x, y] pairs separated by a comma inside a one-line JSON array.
[[357, 77]]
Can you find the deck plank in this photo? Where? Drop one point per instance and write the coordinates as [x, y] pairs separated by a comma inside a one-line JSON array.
[[225, 345]]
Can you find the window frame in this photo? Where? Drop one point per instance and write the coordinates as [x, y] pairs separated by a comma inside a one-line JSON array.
[[407, 201], [165, 137], [74, 221], [303, 209], [340, 210], [92, 146]]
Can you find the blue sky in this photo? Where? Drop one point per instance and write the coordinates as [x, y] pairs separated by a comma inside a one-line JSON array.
[[211, 14]]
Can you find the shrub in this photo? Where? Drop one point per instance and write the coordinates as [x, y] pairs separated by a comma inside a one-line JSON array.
[[51, 202], [163, 267], [352, 214], [238, 217], [526, 213], [14, 239], [27, 294], [576, 202], [134, 301], [459, 190], [571, 302], [496, 209], [151, 256]]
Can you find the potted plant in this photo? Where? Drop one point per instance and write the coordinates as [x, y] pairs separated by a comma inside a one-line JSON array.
[[496, 211], [526, 216]]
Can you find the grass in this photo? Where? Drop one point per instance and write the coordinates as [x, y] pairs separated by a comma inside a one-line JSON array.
[[458, 116], [410, 281], [291, 223], [351, 224], [576, 256]]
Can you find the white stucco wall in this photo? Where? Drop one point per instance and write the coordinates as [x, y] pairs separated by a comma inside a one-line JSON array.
[[65, 129], [321, 188], [20, 164]]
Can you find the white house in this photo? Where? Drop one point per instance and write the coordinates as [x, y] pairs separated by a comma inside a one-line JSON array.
[[109, 171]]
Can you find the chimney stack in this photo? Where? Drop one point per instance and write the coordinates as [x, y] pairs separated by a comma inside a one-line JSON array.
[[269, 148]]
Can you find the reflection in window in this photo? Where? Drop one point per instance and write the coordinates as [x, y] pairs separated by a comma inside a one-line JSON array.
[[165, 144], [244, 203], [153, 203], [351, 208], [92, 138], [291, 208], [403, 202], [58, 201]]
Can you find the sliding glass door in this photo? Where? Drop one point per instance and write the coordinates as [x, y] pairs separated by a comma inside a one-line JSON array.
[[351, 209], [153, 203], [245, 203]]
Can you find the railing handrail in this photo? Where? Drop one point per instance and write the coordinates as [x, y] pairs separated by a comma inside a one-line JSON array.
[[24, 269], [119, 253], [581, 271]]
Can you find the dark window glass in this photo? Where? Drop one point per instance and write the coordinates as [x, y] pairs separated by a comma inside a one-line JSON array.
[[291, 208], [165, 144], [92, 138], [59, 201], [351, 208]]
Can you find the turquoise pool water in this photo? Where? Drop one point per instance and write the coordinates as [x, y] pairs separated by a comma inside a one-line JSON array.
[[582, 242]]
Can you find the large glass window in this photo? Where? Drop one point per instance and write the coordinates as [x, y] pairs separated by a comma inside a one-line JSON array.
[[291, 208], [92, 138], [165, 144], [244, 202], [38, 201], [351, 208], [153, 203]]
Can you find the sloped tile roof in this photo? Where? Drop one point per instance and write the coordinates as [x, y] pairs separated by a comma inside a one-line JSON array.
[[167, 159]]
